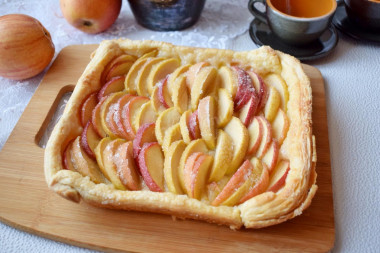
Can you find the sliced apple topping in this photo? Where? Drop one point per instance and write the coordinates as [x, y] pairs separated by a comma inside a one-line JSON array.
[[97, 120], [171, 166], [225, 108], [266, 137], [273, 104], [143, 76], [126, 168], [260, 180], [117, 116], [278, 177], [261, 88], [180, 71], [66, 157], [166, 119], [277, 82], [239, 135], [89, 140], [193, 147], [179, 94], [197, 173], [228, 80], [193, 125], [99, 154], [255, 132], [130, 112], [163, 93], [249, 110], [131, 78], [117, 67], [160, 71], [145, 134], [271, 156], [184, 125], [87, 107], [280, 126], [236, 187], [206, 118], [116, 84], [84, 164], [155, 98], [245, 90], [151, 163], [203, 85], [172, 134], [109, 168], [223, 156], [193, 72], [147, 114]]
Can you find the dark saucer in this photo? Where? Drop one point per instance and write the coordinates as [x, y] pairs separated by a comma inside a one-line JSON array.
[[261, 34], [342, 22]]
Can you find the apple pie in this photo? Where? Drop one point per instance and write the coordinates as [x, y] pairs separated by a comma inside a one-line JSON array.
[[195, 133]]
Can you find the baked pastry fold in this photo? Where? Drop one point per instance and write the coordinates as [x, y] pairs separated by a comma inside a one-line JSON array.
[[265, 209]]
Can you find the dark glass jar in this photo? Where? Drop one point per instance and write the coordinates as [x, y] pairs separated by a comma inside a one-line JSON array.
[[166, 15]]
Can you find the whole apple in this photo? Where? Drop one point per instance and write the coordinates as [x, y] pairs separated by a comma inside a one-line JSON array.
[[91, 16], [26, 47]]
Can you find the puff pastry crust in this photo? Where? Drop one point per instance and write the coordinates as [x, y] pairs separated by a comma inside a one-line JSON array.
[[263, 210]]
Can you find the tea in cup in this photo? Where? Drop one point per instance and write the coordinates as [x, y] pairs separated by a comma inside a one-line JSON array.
[[365, 13], [296, 22]]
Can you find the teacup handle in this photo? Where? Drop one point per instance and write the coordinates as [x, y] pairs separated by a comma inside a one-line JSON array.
[[255, 12]]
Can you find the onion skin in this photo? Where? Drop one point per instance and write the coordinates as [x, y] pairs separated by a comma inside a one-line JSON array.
[[26, 47]]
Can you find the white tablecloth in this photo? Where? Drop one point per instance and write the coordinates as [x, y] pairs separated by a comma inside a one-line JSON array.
[[352, 85]]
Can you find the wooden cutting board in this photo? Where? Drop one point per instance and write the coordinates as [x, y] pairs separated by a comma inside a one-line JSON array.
[[27, 204]]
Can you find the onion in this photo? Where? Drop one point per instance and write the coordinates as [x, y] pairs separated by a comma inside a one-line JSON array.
[[26, 47]]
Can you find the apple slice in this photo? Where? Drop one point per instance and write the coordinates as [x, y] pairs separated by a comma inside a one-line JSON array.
[[165, 120], [157, 105], [171, 165], [131, 78], [116, 84], [198, 174], [228, 80], [225, 108], [236, 187], [206, 118], [180, 71], [163, 93], [144, 135], [109, 165], [118, 69], [193, 147], [149, 54], [126, 168], [273, 104], [193, 125], [172, 134], [245, 89], [66, 157], [255, 132], [107, 110], [96, 119], [124, 58], [143, 76], [271, 156], [87, 107], [248, 111], [84, 164], [188, 173], [278, 178], [184, 125], [214, 188], [203, 85], [239, 135], [147, 114], [261, 89], [180, 95], [160, 71], [277, 82], [151, 163], [280, 126], [98, 153], [117, 116], [130, 112], [223, 156], [266, 137], [260, 180], [89, 140], [193, 72]]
